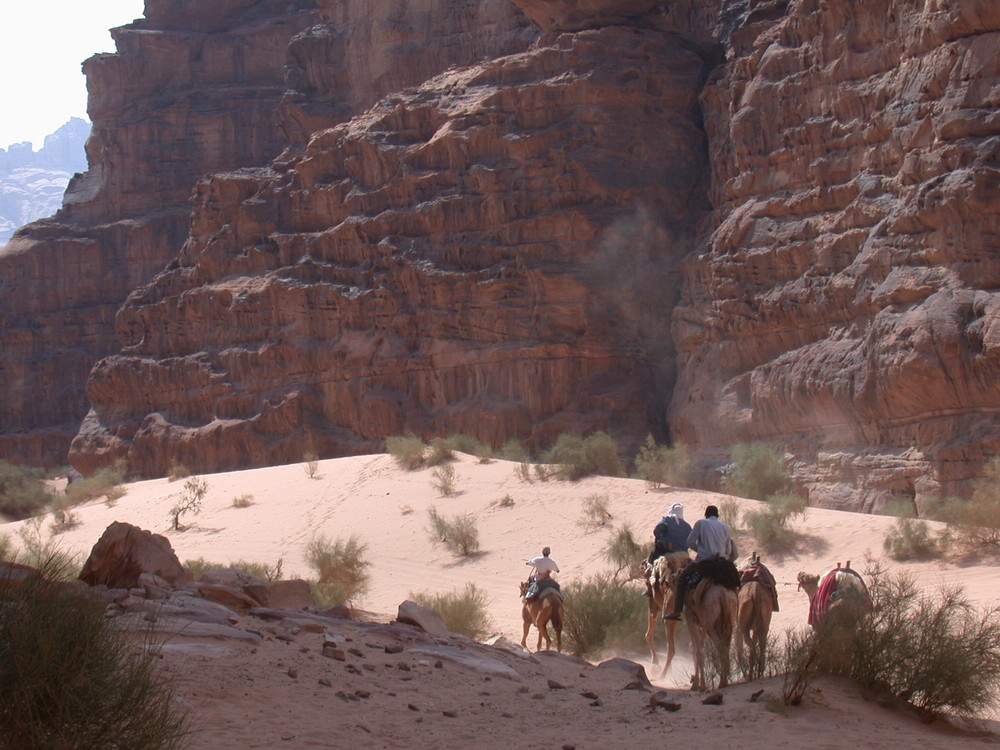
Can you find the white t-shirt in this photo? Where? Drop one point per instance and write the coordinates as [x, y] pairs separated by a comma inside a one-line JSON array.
[[544, 564]]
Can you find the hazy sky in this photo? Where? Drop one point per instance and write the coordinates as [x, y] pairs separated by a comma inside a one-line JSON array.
[[42, 45]]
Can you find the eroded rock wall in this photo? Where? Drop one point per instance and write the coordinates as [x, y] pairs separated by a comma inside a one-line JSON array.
[[844, 301], [494, 253]]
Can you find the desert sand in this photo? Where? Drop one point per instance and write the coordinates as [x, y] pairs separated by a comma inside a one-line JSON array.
[[268, 694]]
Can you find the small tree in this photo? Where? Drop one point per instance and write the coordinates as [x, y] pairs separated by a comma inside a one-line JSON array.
[[22, 491], [578, 457], [623, 552], [458, 534], [910, 539], [977, 521], [190, 500], [770, 525], [757, 472], [663, 465], [596, 511]]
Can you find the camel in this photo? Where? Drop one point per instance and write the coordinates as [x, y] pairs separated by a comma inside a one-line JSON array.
[[661, 601], [840, 591], [545, 608], [756, 607], [711, 617]]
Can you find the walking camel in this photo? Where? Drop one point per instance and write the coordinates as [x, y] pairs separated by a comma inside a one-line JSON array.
[[757, 603], [711, 618], [545, 608], [661, 601]]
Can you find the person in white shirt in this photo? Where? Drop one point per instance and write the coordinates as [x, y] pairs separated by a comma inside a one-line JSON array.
[[715, 551], [544, 566]]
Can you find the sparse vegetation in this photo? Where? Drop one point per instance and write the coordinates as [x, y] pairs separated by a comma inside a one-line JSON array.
[[469, 445], [523, 472], [105, 482], [663, 465], [770, 525], [623, 552], [441, 452], [910, 539], [243, 501], [596, 511], [69, 679], [22, 491], [458, 534], [261, 571], [177, 471], [976, 521], [341, 569], [578, 457], [543, 472], [45, 554], [505, 502], [463, 611], [602, 614], [189, 500], [444, 479], [63, 518], [514, 450], [757, 471], [6, 547], [311, 464], [731, 514], [408, 450]]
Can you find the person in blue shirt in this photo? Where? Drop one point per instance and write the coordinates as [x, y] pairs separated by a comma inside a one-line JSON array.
[[715, 551], [671, 533]]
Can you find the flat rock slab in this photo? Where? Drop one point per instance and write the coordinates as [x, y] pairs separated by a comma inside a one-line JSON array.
[[481, 664], [191, 629]]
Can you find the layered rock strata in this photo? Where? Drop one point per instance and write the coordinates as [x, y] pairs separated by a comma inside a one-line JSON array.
[[494, 253], [844, 301]]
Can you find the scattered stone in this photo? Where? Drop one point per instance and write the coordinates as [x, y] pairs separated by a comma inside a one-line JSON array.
[[538, 696], [506, 715], [412, 707], [154, 586], [635, 671], [482, 664], [662, 699], [369, 667], [424, 618], [712, 699], [569, 747], [755, 696], [352, 669], [325, 682], [334, 653], [596, 703], [450, 714], [636, 686], [589, 694], [356, 652], [363, 693], [287, 736], [523, 689], [395, 648], [439, 664], [293, 673], [553, 685], [289, 594], [287, 637], [229, 597]]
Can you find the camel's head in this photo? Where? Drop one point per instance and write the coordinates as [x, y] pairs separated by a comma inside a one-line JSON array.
[[807, 580], [524, 587]]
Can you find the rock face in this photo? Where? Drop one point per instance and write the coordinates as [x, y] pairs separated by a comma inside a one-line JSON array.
[[843, 301], [493, 253]]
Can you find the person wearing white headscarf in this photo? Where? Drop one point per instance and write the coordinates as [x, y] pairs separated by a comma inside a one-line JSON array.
[[671, 533]]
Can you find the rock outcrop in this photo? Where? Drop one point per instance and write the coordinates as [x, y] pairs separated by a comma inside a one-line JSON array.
[[125, 552], [843, 302], [493, 253]]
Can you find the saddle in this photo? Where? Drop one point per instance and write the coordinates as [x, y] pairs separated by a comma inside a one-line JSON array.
[[759, 573]]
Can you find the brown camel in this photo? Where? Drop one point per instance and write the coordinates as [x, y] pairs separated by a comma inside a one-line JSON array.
[[711, 618], [661, 580], [545, 608], [845, 595], [756, 607]]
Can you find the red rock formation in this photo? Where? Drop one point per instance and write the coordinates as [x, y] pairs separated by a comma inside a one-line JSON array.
[[124, 552], [844, 304], [492, 253]]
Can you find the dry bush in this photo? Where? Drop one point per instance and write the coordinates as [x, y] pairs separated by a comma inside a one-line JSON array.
[[623, 552], [243, 501], [731, 514], [604, 614], [770, 525], [22, 492], [514, 450], [444, 479], [578, 457], [910, 539], [341, 569], [523, 472], [663, 465], [261, 571], [463, 611], [45, 554], [189, 501], [441, 452], [63, 519], [310, 463], [976, 521], [458, 534], [177, 471], [408, 450], [505, 502], [596, 511], [469, 445], [6, 548], [757, 471], [105, 482], [72, 680]]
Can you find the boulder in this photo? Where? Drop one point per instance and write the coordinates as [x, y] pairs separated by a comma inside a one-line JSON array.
[[426, 619], [124, 552], [290, 594], [229, 597]]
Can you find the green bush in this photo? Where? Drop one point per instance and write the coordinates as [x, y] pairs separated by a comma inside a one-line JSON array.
[[463, 611], [910, 539], [341, 568], [770, 525], [757, 471], [514, 450], [731, 514], [578, 457], [441, 452], [408, 450], [596, 511], [976, 521], [604, 614], [623, 552], [662, 465], [469, 445], [70, 679], [444, 479], [935, 651], [105, 482], [189, 501], [261, 571], [22, 491], [458, 534]]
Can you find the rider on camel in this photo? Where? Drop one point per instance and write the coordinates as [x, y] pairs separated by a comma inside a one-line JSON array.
[[715, 551], [544, 566]]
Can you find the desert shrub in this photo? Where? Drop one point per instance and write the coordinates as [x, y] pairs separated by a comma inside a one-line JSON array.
[[441, 452], [623, 552], [63, 518], [189, 501], [468, 444], [578, 457], [899, 507], [770, 524], [463, 611], [243, 501], [200, 566], [408, 450], [22, 492], [523, 472], [757, 471], [444, 479], [458, 534], [310, 463], [341, 568], [663, 465], [105, 482], [976, 521], [45, 553], [72, 680], [6, 547], [731, 514], [261, 571], [935, 651], [177, 471], [596, 511], [505, 502], [910, 539], [514, 450], [603, 614], [543, 472]]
